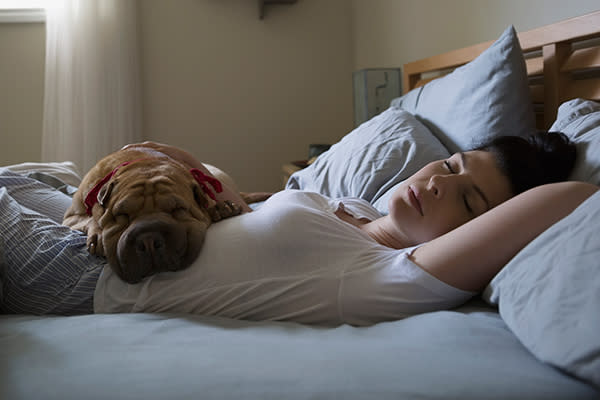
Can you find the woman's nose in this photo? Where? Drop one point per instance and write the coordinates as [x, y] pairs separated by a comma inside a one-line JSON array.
[[440, 184]]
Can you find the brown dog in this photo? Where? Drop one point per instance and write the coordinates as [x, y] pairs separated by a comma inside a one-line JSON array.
[[145, 211]]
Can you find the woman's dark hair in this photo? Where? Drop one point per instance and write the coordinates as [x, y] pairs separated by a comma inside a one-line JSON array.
[[542, 157]]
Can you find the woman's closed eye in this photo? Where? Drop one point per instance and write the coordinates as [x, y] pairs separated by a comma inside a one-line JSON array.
[[465, 199], [449, 167]]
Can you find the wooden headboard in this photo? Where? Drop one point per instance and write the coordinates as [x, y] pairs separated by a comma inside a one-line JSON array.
[[563, 62]]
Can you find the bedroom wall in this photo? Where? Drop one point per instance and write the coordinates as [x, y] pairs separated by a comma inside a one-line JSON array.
[[249, 95], [245, 94], [22, 49], [389, 33]]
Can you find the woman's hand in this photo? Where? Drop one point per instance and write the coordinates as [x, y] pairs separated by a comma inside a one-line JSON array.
[[171, 151]]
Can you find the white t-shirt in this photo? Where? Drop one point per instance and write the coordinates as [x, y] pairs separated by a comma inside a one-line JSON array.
[[292, 259]]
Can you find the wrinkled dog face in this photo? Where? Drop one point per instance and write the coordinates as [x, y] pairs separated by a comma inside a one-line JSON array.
[[152, 223]]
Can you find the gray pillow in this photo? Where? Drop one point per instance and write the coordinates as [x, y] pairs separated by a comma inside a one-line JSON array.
[[371, 159], [579, 119], [549, 294], [485, 98]]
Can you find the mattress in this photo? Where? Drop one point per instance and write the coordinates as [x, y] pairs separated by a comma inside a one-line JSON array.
[[468, 353]]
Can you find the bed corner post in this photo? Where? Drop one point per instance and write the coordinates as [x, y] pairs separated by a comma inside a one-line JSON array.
[[556, 81]]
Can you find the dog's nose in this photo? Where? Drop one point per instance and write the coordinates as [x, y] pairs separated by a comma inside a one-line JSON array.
[[151, 246], [149, 243]]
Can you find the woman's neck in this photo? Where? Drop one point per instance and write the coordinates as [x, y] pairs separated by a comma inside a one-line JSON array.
[[385, 232]]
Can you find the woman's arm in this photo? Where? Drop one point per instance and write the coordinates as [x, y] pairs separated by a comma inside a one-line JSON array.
[[471, 255]]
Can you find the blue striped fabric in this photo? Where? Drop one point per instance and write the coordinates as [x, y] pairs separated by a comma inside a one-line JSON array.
[[35, 195], [45, 267]]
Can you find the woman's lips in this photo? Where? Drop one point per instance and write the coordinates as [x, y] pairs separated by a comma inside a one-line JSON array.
[[414, 199]]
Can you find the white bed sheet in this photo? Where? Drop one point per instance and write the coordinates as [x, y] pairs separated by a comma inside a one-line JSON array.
[[469, 354]]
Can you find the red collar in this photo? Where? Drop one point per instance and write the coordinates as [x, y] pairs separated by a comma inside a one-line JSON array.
[[92, 197], [203, 179]]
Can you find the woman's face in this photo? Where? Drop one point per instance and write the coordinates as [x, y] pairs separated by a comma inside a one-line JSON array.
[[447, 193]]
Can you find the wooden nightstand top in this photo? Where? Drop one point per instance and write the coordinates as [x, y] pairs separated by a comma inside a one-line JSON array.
[[288, 169]]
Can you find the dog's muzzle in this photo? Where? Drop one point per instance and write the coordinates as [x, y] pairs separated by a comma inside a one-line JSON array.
[[152, 245]]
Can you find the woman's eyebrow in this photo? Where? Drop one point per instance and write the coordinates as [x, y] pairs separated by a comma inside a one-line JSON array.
[[463, 159]]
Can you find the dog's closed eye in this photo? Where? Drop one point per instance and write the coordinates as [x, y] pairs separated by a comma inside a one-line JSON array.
[[123, 208]]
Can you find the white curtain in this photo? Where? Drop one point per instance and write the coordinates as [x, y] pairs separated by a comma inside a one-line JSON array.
[[92, 102]]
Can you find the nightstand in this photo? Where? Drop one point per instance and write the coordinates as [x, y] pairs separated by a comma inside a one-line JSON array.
[[288, 169], [314, 150]]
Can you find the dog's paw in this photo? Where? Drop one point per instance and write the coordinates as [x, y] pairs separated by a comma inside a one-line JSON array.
[[224, 209], [94, 245], [92, 241]]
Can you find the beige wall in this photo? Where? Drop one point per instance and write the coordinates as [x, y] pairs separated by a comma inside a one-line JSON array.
[[389, 33], [22, 50], [248, 95], [244, 94]]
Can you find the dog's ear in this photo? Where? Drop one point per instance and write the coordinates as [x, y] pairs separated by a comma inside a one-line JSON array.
[[104, 193], [200, 196]]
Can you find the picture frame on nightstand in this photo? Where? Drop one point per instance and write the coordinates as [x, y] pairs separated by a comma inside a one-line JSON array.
[[374, 89]]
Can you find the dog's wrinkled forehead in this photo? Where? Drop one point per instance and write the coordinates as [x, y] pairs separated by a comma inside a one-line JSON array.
[[154, 193]]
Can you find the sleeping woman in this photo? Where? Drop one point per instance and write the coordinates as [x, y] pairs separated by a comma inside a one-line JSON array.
[[304, 257]]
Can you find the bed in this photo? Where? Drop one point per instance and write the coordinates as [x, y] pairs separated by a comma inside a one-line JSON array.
[[532, 334]]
